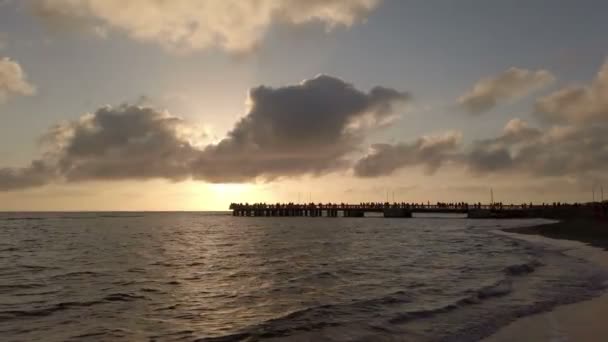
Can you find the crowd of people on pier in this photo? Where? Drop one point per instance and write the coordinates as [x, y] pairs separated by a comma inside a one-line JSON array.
[[555, 209], [362, 205], [401, 205], [414, 205]]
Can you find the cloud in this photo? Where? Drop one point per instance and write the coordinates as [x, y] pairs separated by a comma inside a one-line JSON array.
[[573, 144], [577, 104], [13, 80], [187, 25], [572, 151], [38, 173], [508, 85], [307, 128], [430, 151], [114, 143], [575, 151], [126, 142]]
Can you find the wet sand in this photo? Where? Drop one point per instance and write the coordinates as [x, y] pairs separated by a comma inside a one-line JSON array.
[[583, 321], [592, 232]]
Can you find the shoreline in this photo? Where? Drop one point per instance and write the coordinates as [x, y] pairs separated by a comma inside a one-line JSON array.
[[588, 231], [580, 321]]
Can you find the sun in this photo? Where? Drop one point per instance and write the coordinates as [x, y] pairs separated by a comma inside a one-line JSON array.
[[229, 189], [217, 197]]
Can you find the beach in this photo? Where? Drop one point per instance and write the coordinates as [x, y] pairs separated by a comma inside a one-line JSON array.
[[582, 321]]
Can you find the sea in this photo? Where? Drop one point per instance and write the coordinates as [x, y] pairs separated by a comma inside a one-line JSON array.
[[209, 276]]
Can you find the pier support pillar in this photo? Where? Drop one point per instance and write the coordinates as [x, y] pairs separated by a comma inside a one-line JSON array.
[[397, 212], [354, 213]]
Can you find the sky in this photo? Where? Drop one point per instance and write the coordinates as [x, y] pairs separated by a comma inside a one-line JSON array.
[[191, 105]]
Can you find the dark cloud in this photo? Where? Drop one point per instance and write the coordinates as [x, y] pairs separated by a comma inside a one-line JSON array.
[[36, 174], [496, 154], [125, 142], [430, 151], [579, 152], [308, 128], [508, 85], [576, 151]]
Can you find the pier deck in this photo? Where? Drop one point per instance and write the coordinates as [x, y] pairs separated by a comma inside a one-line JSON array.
[[407, 210]]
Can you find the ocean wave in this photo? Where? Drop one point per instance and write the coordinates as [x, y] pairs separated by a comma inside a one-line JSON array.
[[225, 338], [151, 290], [118, 216], [62, 306], [50, 217], [332, 315], [314, 318], [76, 274], [522, 269], [11, 287], [38, 268], [22, 218], [168, 308], [41, 293], [40, 312], [123, 297], [500, 288], [109, 334], [70, 217]]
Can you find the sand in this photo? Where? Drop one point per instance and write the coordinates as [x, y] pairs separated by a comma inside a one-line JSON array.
[[582, 321]]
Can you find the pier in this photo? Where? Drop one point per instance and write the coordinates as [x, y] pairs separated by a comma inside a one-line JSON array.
[[406, 210]]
